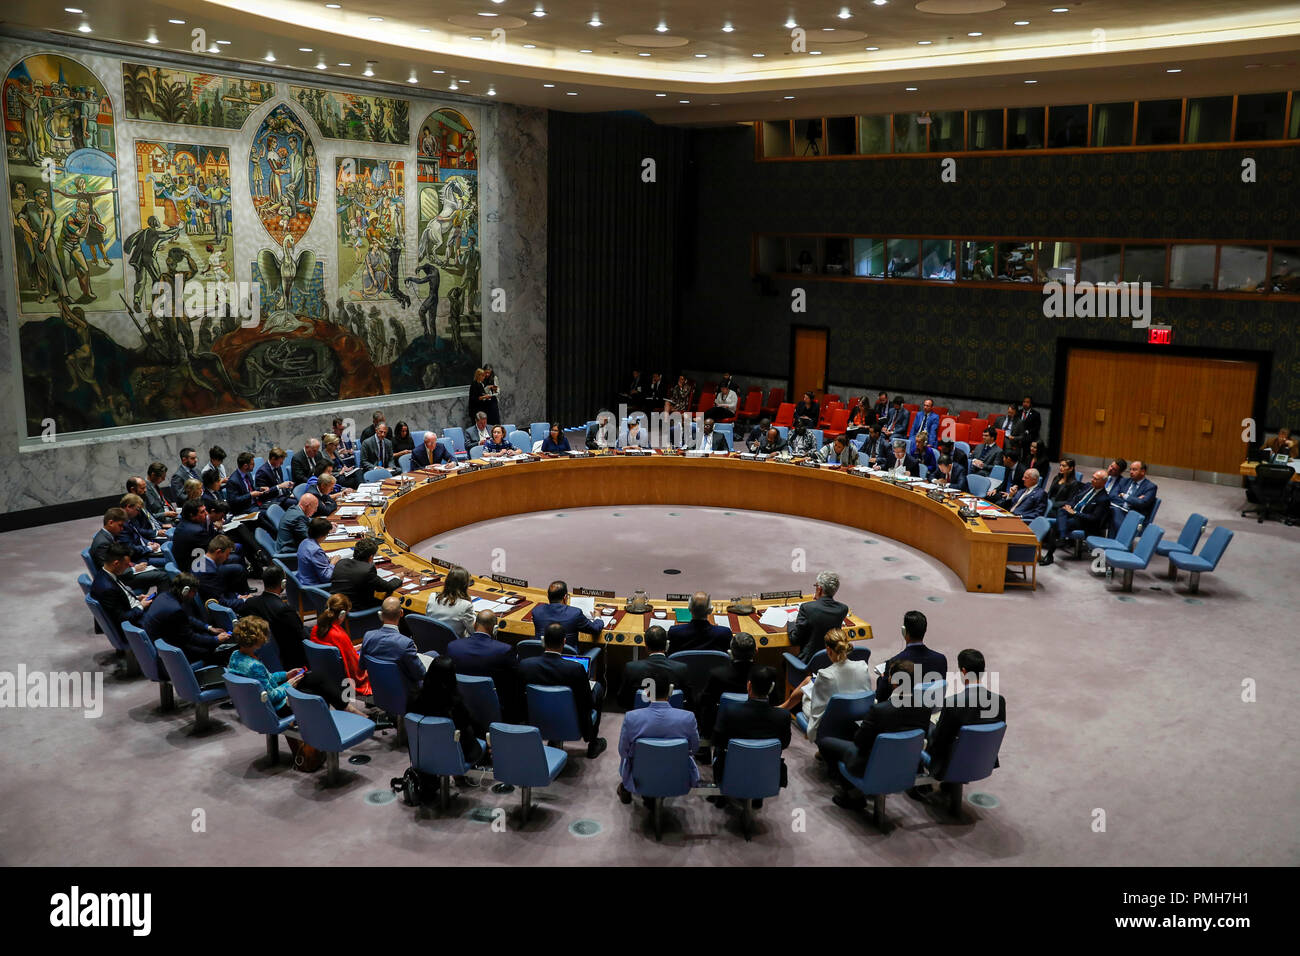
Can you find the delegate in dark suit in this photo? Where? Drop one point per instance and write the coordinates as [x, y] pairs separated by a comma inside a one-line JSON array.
[[1139, 496], [715, 441], [698, 635], [359, 580], [934, 666], [883, 718], [376, 452], [188, 538], [656, 668], [293, 530], [167, 620], [114, 598], [138, 580], [481, 655], [956, 476], [908, 462], [815, 618], [179, 477], [268, 477], [961, 710], [239, 493], [1028, 503], [1091, 511], [552, 670], [420, 457], [752, 720], [988, 454], [154, 502], [302, 467], [729, 678], [286, 627], [570, 617]]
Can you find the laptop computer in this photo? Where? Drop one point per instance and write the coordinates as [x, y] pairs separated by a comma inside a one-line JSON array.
[[584, 661]]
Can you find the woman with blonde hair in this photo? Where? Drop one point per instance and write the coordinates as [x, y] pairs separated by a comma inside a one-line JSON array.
[[331, 629], [840, 676], [250, 633]]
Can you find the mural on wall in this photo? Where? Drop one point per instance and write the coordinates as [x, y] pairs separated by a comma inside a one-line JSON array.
[[446, 277], [61, 150], [356, 116], [283, 175], [118, 323], [371, 227], [187, 189], [165, 95]]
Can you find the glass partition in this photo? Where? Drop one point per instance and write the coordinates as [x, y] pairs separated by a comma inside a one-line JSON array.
[[1159, 122], [873, 135], [869, 258], [1016, 261], [1112, 124], [1243, 268], [840, 131], [1057, 261], [1192, 267], [1285, 270], [985, 130], [839, 249], [1293, 130], [1067, 127], [1145, 264], [1100, 262], [808, 137], [776, 139], [904, 256], [910, 132], [1260, 116], [977, 260], [772, 255], [1025, 128], [1209, 119], [947, 131], [805, 253], [938, 259]]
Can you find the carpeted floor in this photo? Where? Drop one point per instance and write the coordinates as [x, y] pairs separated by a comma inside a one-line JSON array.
[[1128, 711]]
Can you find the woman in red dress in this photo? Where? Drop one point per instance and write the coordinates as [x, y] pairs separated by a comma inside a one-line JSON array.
[[330, 628]]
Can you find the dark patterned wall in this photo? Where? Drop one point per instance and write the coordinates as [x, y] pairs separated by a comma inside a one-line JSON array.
[[982, 343]]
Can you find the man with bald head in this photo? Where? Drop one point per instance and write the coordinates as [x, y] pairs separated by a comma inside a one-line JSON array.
[[294, 524], [699, 634], [1089, 512], [303, 464], [387, 643], [431, 453]]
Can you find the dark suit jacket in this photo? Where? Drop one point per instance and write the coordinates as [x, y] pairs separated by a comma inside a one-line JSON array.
[[300, 469], [1014, 477], [420, 457], [552, 670], [154, 501], [359, 581], [167, 620], [293, 530], [286, 627], [657, 668], [1095, 517], [815, 618], [653, 391], [114, 600], [269, 477], [1031, 502], [1027, 426], [188, 537], [1141, 496], [719, 442], [956, 477], [958, 711], [372, 456], [729, 678], [885, 718], [909, 464], [990, 454], [752, 720], [239, 494], [480, 655], [572, 618], [933, 666], [698, 636], [179, 477], [99, 546]]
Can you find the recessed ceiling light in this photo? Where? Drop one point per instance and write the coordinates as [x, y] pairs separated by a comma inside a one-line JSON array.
[[570, 93], [924, 42], [411, 78], [151, 39], [345, 64], [476, 38], [789, 97], [701, 56], [683, 101], [440, 72], [376, 19], [179, 23], [548, 85], [727, 28], [270, 58], [224, 42], [880, 3], [789, 23], [492, 91], [584, 51], [84, 28], [539, 12], [320, 66], [1174, 70], [530, 46], [911, 89], [1031, 82], [662, 28], [489, 14], [758, 54], [1021, 23], [425, 30], [333, 6], [73, 10], [828, 29], [452, 85], [975, 33], [814, 52], [304, 49], [661, 94], [1060, 9], [844, 13], [594, 21], [873, 49], [370, 68], [643, 54]]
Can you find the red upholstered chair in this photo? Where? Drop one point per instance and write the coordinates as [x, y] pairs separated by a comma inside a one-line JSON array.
[[706, 401], [774, 400], [827, 410], [940, 410], [825, 399], [960, 432], [784, 415], [912, 408], [1002, 434], [854, 402], [965, 416], [753, 404], [838, 424]]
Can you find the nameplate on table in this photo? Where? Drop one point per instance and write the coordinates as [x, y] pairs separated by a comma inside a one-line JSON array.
[[493, 464], [593, 592], [779, 595], [513, 582], [433, 478], [401, 544], [809, 464], [441, 564], [677, 597]]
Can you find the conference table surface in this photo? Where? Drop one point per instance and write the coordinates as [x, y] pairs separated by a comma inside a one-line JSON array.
[[1248, 469], [425, 503]]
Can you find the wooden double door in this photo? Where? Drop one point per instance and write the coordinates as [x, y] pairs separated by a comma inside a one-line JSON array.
[[1175, 411]]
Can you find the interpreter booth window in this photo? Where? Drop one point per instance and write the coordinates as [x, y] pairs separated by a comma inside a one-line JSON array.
[[985, 131], [1016, 261], [1293, 127], [839, 135], [1192, 267], [1145, 264], [873, 135], [807, 254], [808, 137], [1243, 268], [904, 256], [1260, 116], [869, 258], [1112, 124], [909, 132], [1057, 261], [1025, 128], [947, 131], [1286, 270], [939, 259], [1067, 127], [977, 260], [1209, 119], [776, 139], [1100, 262], [839, 250], [772, 257], [1159, 122]]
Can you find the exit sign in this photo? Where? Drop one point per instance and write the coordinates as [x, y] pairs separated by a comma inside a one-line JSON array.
[[1160, 335]]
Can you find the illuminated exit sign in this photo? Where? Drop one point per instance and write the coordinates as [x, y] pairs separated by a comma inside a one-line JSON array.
[[1160, 335]]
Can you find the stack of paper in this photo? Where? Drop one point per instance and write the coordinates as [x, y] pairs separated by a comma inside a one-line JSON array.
[[779, 616], [351, 511], [487, 604], [585, 604], [345, 553], [388, 575]]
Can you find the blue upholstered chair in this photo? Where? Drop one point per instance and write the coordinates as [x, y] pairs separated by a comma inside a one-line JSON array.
[[276, 514], [377, 474], [752, 772], [361, 622], [479, 695], [186, 683], [1206, 561], [974, 755], [538, 431], [520, 759], [843, 711], [220, 615], [553, 711], [256, 713], [436, 751], [728, 701], [325, 659], [521, 441], [388, 687], [1123, 539], [457, 436], [661, 769], [675, 699], [1138, 558], [146, 657], [698, 664], [977, 485], [332, 731], [314, 599], [1186, 543], [891, 768], [428, 634]]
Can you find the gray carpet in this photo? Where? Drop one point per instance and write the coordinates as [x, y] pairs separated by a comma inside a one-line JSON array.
[[1132, 708]]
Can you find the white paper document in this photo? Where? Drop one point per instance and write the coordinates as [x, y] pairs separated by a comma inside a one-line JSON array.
[[388, 575], [722, 620], [351, 511], [584, 603], [779, 616], [345, 553]]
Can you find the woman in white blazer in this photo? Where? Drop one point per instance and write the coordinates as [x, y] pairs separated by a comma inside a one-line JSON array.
[[452, 607], [840, 676]]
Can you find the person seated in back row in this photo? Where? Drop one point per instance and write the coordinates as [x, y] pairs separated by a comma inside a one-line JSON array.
[[550, 669], [660, 720], [753, 719], [974, 702], [639, 675], [698, 634]]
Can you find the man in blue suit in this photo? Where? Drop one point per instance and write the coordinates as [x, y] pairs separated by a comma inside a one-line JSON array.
[[659, 720], [173, 617], [550, 669], [698, 634], [952, 474], [242, 494], [113, 594], [271, 477], [895, 423], [221, 579], [1028, 501], [559, 611], [927, 420], [192, 534], [1137, 494], [479, 654], [431, 453], [1116, 481], [932, 665], [388, 643], [1087, 512], [294, 524]]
